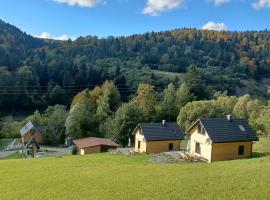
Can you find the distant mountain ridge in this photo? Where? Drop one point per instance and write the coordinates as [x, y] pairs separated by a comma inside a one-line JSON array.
[[224, 59], [15, 45]]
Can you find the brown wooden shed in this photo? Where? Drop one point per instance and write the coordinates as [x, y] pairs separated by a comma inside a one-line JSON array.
[[29, 131]]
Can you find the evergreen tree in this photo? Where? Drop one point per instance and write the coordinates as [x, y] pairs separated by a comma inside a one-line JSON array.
[[167, 110], [183, 96], [194, 82]]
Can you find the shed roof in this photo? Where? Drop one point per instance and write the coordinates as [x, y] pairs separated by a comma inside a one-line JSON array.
[[93, 141], [223, 130], [30, 126], [160, 131]]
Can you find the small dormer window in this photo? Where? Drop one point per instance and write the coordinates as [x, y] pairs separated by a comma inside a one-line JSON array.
[[199, 128], [242, 128], [203, 131]]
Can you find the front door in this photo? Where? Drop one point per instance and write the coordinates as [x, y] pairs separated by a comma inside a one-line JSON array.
[[170, 147], [198, 148]]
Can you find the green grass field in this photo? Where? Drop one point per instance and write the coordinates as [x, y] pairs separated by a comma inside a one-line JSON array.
[[107, 176]]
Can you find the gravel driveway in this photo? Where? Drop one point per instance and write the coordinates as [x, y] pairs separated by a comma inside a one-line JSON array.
[[4, 154], [56, 151]]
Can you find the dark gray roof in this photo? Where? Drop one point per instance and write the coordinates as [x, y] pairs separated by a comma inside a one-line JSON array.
[[160, 132], [222, 130]]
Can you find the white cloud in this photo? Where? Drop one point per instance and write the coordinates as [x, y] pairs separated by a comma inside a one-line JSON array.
[[220, 2], [155, 7], [261, 4], [215, 26], [46, 35], [81, 3]]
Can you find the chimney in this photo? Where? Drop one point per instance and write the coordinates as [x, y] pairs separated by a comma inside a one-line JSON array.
[[229, 117], [163, 122]]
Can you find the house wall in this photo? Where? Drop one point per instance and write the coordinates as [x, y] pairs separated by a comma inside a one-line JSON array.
[[217, 151], [229, 151], [161, 146], [140, 137], [206, 147], [89, 150], [38, 137]]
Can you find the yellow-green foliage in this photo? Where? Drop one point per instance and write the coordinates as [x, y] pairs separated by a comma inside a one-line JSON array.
[[263, 146], [107, 176]]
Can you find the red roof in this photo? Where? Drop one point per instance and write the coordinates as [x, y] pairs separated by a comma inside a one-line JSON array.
[[92, 141]]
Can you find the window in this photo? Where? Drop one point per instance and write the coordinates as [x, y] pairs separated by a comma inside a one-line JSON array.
[[170, 147], [198, 148], [242, 128], [199, 128], [139, 144], [203, 131], [241, 150]]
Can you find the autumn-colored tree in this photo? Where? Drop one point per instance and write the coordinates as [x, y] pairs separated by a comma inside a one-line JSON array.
[[240, 109], [82, 120], [146, 101], [110, 89]]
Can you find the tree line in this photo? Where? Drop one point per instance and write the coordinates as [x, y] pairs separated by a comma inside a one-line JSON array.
[[100, 112]]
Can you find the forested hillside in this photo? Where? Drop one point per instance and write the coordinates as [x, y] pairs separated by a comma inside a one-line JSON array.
[[35, 73]]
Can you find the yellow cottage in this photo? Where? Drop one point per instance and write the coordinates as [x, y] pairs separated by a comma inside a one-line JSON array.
[[157, 137], [221, 139]]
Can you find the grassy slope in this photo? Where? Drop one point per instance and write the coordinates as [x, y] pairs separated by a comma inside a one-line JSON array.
[[107, 176]]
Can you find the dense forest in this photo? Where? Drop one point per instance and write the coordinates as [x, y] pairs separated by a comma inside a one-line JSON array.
[[36, 73], [105, 86]]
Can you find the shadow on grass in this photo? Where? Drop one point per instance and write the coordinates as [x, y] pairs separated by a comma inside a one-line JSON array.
[[259, 155]]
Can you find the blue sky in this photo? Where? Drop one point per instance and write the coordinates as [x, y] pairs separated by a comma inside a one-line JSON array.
[[73, 18]]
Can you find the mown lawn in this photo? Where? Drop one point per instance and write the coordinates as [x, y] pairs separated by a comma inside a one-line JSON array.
[[107, 176]]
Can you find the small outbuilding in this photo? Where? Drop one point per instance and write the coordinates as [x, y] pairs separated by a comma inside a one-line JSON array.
[[219, 139], [157, 137], [94, 145], [32, 147], [29, 131]]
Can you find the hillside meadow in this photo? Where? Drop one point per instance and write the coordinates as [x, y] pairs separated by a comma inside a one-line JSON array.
[[107, 176]]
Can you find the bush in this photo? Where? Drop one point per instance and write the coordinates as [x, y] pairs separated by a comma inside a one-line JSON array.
[[74, 150]]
